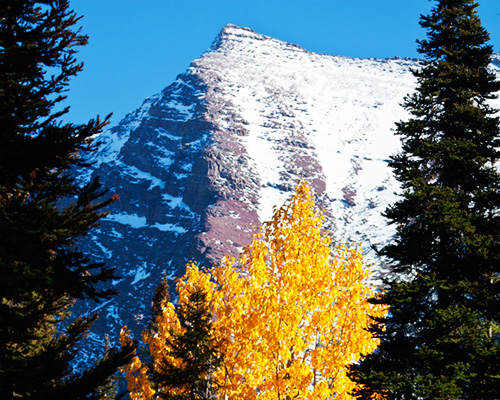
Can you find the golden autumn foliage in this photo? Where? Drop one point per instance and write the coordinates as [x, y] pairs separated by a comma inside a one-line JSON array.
[[289, 316], [136, 373]]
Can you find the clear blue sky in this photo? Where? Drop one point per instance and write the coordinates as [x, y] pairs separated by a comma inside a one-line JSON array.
[[137, 47]]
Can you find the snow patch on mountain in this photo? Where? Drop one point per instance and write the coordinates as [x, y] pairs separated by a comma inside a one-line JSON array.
[[141, 274]]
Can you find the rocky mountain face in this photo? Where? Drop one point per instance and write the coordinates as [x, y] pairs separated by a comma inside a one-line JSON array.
[[200, 165]]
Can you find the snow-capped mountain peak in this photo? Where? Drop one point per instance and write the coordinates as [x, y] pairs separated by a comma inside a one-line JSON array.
[[199, 166]]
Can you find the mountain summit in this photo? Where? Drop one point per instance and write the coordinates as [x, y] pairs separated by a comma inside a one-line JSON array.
[[199, 166]]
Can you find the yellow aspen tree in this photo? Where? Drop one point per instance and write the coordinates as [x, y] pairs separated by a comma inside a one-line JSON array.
[[136, 373], [292, 313]]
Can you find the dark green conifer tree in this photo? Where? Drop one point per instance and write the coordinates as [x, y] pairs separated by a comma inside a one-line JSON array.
[[442, 334], [43, 212], [194, 345]]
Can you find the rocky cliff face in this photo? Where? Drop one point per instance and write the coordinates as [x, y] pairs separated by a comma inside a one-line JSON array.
[[199, 166]]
